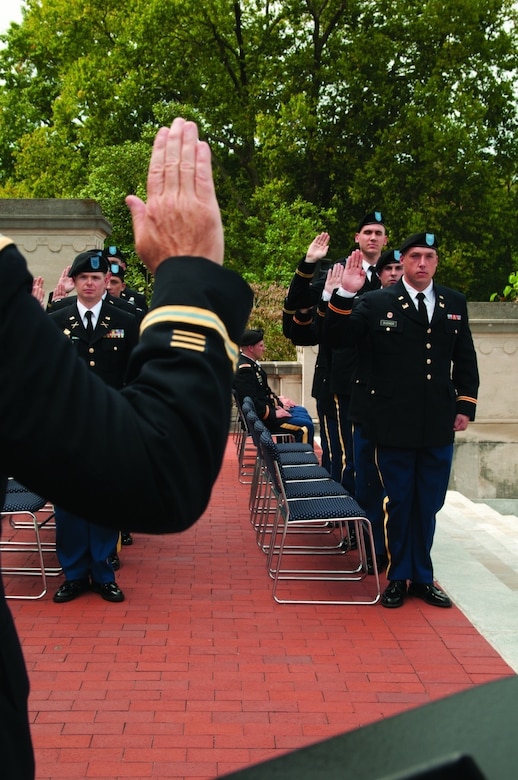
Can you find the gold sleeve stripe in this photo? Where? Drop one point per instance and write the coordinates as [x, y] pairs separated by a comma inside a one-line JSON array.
[[4, 241], [339, 311], [289, 311], [185, 340], [301, 322], [189, 316], [183, 344], [467, 398], [303, 275], [196, 339]]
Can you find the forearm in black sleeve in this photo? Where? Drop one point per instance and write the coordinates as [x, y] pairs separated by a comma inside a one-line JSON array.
[[303, 292], [150, 453]]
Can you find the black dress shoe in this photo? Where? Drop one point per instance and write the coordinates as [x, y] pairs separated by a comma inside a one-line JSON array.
[[114, 561], [70, 590], [394, 594], [126, 538], [109, 591], [429, 593]]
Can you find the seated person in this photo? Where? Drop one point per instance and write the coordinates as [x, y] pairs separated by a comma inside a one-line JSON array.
[[279, 414]]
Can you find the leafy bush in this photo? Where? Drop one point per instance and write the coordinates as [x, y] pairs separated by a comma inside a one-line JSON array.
[[510, 291], [267, 314]]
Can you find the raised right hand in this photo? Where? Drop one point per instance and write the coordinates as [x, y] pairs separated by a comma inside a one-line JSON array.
[[181, 215], [318, 248], [353, 276]]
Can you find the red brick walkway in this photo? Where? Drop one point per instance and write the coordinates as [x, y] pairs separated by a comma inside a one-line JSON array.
[[199, 673]]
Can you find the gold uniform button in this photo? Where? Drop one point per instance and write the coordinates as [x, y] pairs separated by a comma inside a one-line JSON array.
[[91, 350], [428, 330], [428, 361], [428, 376], [428, 346], [92, 363]]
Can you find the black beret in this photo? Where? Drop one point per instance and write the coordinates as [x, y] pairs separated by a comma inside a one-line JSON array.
[[387, 258], [427, 240], [91, 261], [251, 337], [116, 270], [115, 251], [373, 218]]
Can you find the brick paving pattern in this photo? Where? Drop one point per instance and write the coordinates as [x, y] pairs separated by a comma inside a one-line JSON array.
[[199, 673]]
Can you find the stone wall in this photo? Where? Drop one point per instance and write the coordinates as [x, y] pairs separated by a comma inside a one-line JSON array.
[[50, 233], [485, 462]]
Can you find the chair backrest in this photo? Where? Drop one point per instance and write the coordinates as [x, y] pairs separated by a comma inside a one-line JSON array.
[[258, 428], [272, 461], [240, 412]]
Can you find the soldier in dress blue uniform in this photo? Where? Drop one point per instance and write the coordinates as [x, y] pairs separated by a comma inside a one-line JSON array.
[[369, 491], [303, 315], [104, 337], [422, 388], [168, 425]]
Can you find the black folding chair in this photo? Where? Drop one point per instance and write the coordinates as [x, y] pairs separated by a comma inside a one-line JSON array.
[[27, 514]]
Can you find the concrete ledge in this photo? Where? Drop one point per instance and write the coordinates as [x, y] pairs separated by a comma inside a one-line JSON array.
[[51, 232]]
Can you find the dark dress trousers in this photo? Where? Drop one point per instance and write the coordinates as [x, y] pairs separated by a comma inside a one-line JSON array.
[[168, 426]]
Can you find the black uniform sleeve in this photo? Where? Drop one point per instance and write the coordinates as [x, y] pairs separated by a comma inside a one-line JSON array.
[[306, 328], [145, 457], [464, 367], [304, 292]]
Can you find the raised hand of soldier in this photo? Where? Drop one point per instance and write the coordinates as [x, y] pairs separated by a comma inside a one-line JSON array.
[[181, 216], [353, 276], [318, 248]]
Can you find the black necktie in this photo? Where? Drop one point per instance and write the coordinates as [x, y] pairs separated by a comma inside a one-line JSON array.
[[421, 308], [89, 326], [374, 280]]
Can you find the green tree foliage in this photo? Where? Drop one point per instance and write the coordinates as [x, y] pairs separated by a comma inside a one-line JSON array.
[[316, 111]]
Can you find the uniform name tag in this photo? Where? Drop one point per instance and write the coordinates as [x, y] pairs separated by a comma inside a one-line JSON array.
[[388, 323]]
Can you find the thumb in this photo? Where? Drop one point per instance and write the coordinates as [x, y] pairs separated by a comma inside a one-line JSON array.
[[137, 209]]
